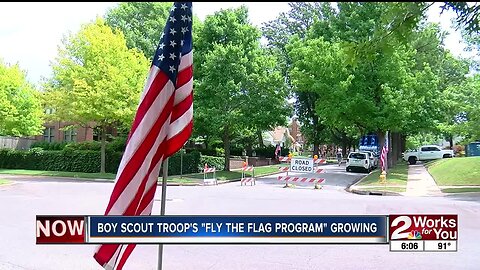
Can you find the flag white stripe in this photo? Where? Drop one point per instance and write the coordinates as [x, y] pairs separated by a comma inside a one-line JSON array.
[[186, 61], [180, 123], [126, 196], [151, 76], [110, 265], [152, 180], [146, 125], [183, 92]]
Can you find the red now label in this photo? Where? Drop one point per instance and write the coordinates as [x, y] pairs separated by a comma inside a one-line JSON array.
[[423, 227], [60, 229]]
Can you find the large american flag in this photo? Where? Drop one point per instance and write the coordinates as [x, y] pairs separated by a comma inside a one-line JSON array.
[[162, 124], [383, 155]]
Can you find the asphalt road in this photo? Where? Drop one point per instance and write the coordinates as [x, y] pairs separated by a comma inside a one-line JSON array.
[[20, 202]]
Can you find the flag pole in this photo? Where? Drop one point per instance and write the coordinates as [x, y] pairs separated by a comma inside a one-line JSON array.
[[162, 206], [387, 141]]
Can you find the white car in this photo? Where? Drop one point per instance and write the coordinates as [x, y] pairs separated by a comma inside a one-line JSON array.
[[373, 159], [359, 160], [427, 152]]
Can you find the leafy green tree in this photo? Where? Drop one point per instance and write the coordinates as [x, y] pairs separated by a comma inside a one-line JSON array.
[[297, 21], [20, 107], [142, 23], [238, 87], [96, 80]]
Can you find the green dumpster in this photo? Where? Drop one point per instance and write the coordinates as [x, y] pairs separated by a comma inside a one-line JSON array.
[[473, 149]]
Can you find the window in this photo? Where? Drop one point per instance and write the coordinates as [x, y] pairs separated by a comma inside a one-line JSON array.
[[70, 135], [434, 148], [425, 149], [357, 156], [48, 134]]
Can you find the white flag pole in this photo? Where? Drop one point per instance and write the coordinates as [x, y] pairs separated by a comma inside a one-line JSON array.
[[162, 206]]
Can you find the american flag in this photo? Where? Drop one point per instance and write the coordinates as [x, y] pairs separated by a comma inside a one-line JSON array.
[[383, 155], [162, 124], [277, 150]]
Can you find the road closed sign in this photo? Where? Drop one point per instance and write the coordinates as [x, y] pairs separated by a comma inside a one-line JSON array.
[[301, 165]]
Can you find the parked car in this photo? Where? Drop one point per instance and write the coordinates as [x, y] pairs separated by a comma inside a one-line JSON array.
[[373, 159], [426, 152], [358, 160]]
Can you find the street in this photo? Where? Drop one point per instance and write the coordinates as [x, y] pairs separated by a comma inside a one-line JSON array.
[[21, 201]]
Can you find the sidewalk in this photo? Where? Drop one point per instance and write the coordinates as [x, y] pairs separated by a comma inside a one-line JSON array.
[[421, 183]]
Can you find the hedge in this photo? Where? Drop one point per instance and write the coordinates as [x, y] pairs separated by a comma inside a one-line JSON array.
[[84, 161], [190, 163]]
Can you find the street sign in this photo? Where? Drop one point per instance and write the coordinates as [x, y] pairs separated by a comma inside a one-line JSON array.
[[302, 165]]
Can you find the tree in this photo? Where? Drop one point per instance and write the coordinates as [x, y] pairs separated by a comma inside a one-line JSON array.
[[238, 86], [20, 108], [142, 23], [96, 80], [297, 21]]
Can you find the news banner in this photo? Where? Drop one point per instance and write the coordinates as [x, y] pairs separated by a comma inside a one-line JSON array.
[[412, 233]]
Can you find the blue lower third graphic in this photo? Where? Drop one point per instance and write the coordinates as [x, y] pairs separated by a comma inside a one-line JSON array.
[[237, 229]]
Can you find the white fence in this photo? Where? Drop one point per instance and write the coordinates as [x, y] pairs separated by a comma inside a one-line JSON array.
[[15, 143]]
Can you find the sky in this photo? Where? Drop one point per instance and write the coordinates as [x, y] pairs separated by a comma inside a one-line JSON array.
[[31, 32]]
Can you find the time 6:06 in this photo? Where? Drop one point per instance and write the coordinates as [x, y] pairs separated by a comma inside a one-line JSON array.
[[409, 245]]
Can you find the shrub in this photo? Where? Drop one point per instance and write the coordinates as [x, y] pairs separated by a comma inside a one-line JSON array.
[[49, 145], [118, 144], [87, 145], [217, 162], [269, 151]]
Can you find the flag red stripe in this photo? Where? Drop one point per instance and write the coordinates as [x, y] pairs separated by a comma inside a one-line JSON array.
[[137, 159], [176, 142], [105, 252], [184, 76], [125, 256], [155, 89], [181, 108]]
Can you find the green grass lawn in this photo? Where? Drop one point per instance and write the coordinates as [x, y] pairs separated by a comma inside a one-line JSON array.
[[59, 174], [456, 171], [91, 176], [3, 182], [460, 190], [396, 176], [185, 179]]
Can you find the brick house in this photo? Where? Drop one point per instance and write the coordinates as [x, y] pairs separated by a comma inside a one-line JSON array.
[[53, 133]]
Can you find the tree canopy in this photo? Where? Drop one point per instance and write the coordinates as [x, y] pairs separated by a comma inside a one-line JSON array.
[[21, 112]]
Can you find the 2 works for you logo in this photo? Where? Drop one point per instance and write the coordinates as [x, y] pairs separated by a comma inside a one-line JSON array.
[[423, 227]]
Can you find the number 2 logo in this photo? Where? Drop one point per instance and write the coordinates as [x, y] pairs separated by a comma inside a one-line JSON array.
[[398, 233]]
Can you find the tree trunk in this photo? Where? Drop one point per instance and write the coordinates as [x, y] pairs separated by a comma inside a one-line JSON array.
[[205, 141], [450, 140], [102, 149], [316, 148], [344, 145], [260, 138], [226, 148], [393, 154]]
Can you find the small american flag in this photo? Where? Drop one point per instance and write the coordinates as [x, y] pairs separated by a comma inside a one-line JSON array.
[[277, 150], [162, 124], [383, 155]]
